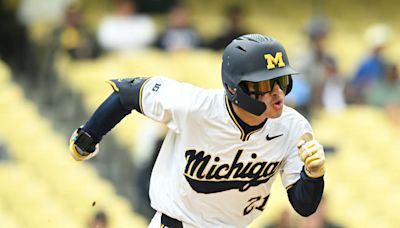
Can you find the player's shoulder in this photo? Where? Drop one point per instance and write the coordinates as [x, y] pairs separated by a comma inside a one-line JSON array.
[[290, 114], [293, 123], [198, 97], [165, 86], [170, 82]]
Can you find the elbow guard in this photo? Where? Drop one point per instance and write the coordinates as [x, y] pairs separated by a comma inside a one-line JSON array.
[[129, 90]]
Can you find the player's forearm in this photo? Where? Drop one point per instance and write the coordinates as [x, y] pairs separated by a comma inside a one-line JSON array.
[[84, 141], [306, 194], [124, 99], [107, 115]]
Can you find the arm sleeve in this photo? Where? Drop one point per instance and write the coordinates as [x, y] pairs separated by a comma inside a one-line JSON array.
[[107, 115], [158, 98], [126, 97], [305, 194]]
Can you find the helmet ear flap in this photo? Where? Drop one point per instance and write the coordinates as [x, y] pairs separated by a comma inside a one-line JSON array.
[[289, 86]]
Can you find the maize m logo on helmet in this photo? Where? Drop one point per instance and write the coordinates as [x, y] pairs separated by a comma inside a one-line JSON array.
[[273, 61]]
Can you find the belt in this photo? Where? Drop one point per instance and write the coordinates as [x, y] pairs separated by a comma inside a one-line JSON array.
[[169, 222]]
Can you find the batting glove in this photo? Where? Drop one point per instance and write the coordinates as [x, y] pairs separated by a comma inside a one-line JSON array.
[[312, 154], [81, 146]]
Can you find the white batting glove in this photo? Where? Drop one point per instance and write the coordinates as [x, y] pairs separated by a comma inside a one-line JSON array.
[[312, 154]]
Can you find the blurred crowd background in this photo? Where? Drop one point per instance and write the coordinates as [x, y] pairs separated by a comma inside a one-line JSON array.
[[55, 56]]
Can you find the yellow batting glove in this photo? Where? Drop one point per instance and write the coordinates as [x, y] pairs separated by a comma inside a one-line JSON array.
[[312, 154], [77, 153]]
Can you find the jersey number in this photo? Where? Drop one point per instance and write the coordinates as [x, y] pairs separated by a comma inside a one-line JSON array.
[[256, 203]]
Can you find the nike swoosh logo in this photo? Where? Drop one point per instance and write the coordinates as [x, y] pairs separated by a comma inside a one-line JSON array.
[[273, 137]]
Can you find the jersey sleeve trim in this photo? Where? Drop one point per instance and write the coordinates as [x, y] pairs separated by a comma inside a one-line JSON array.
[[113, 85], [289, 187]]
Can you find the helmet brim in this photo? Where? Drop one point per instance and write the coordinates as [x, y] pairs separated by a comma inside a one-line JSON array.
[[266, 75]]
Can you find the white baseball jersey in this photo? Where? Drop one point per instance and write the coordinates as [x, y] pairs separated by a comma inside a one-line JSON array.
[[209, 172]]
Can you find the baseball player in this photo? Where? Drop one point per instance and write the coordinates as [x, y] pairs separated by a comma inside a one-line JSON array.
[[224, 148]]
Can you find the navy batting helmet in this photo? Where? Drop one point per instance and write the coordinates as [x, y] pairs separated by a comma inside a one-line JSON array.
[[253, 58]]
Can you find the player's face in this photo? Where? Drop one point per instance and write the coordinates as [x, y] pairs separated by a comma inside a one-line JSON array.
[[272, 93], [274, 101]]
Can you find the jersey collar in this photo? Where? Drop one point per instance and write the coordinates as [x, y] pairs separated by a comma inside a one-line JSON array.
[[245, 129]]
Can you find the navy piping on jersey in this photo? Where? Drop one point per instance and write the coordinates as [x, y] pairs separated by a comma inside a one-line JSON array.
[[245, 129]]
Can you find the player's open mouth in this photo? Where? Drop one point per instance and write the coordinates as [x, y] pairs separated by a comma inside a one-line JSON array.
[[278, 104]]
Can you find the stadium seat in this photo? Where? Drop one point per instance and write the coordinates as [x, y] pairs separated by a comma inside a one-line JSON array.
[[46, 186]]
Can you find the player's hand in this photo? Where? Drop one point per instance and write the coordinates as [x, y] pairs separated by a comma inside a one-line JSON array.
[[312, 154], [79, 153]]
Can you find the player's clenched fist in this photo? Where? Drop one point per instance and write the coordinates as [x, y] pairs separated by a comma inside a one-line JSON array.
[[81, 146], [312, 154]]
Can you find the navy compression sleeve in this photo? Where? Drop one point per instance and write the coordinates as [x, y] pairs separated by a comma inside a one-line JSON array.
[[107, 115], [306, 194]]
